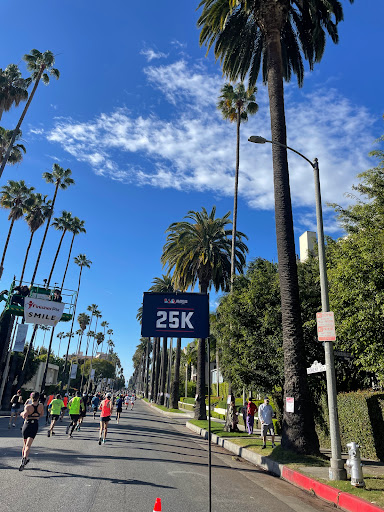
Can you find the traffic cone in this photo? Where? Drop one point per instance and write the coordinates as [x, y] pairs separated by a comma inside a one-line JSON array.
[[157, 507]]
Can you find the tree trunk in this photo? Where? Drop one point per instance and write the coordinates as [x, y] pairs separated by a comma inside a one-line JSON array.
[[6, 247], [56, 255], [234, 225], [298, 432], [26, 256], [218, 371], [153, 374], [164, 358], [175, 393], [147, 369], [156, 382], [69, 256], [16, 130], [200, 408]]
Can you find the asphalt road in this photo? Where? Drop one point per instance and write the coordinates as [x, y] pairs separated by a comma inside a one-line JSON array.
[[146, 456]]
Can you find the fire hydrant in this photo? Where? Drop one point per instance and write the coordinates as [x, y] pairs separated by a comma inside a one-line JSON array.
[[354, 464]]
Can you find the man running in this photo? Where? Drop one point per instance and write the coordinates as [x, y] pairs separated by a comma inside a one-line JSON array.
[[50, 398], [106, 408], [119, 408], [83, 412], [31, 415], [16, 402], [95, 405], [75, 406], [65, 406], [133, 398], [55, 407], [126, 401]]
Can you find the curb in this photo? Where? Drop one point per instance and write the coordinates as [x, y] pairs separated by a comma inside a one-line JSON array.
[[341, 499]]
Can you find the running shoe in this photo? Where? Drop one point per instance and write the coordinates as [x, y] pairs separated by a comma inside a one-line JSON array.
[[26, 462], [53, 433], [21, 467], [103, 441], [99, 440], [67, 429], [49, 433]]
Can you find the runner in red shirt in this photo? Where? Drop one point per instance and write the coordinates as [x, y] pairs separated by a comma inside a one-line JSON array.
[[65, 400], [106, 408]]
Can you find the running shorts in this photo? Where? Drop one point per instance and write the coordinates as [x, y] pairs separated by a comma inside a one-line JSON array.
[[105, 418], [119, 409], [95, 409], [267, 427], [55, 416], [82, 414], [74, 417], [30, 429]]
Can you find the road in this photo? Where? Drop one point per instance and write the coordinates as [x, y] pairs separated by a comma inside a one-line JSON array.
[[146, 456]]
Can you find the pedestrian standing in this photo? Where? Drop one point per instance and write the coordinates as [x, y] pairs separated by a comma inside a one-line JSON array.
[[251, 410], [16, 402], [106, 408], [265, 417], [31, 415]]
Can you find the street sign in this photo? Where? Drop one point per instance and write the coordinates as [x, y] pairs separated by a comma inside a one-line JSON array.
[[342, 354], [326, 326], [180, 315], [316, 367]]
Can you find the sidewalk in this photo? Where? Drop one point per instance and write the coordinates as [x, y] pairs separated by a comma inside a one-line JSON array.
[[305, 477]]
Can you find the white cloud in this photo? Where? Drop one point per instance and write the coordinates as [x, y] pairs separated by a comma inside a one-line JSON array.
[[151, 54], [193, 148], [36, 131]]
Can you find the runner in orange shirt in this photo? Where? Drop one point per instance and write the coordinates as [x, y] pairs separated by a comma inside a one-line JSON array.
[[106, 408]]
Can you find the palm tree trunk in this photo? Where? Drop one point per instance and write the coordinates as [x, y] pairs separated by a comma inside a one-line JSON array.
[[26, 256], [16, 130], [69, 256], [45, 235], [234, 225], [175, 393], [153, 373], [164, 355], [6, 246], [186, 380], [156, 382], [56, 255], [298, 432], [147, 369], [47, 361]]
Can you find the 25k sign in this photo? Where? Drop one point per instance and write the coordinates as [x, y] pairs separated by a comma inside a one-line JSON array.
[[175, 315]]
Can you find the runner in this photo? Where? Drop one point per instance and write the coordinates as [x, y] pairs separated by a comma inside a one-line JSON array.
[[126, 401], [133, 398], [119, 408], [55, 407], [64, 408], [106, 408], [50, 398], [16, 402], [95, 405], [75, 405], [83, 412], [31, 415]]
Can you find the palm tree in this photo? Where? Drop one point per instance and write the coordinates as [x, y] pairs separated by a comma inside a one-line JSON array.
[[36, 215], [275, 35], [40, 64], [61, 179], [16, 155], [13, 88], [104, 325], [236, 104], [60, 335], [15, 196], [44, 328], [76, 227], [190, 354], [83, 320], [63, 224], [201, 252]]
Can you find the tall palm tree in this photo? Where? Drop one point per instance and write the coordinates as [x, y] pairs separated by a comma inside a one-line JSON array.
[[41, 66], [13, 88], [61, 178], [200, 251], [63, 224], [60, 335], [83, 320], [15, 196], [18, 150], [275, 35], [44, 328], [76, 227], [236, 104], [36, 215], [190, 354], [104, 325]]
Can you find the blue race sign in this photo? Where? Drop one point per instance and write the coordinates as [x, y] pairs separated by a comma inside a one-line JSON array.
[[175, 315]]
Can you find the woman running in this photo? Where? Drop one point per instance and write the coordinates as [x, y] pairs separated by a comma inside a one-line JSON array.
[[106, 408], [31, 415]]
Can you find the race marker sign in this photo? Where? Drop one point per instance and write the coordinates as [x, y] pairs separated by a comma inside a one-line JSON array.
[[175, 315]]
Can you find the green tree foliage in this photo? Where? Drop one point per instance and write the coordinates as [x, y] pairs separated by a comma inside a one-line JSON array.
[[103, 368]]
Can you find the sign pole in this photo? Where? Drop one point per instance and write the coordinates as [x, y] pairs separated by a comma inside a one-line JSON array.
[[209, 429]]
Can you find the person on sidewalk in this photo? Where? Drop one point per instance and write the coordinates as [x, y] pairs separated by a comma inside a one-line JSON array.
[[106, 408], [31, 415], [251, 410], [265, 417], [16, 402], [75, 405], [55, 408]]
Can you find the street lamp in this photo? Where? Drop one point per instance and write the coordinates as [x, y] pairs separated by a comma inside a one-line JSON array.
[[336, 470]]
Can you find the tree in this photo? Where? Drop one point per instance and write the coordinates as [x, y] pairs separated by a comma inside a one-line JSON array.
[[236, 104], [76, 227], [18, 150], [60, 335], [13, 88], [41, 66], [104, 324], [275, 35], [61, 178], [63, 224], [15, 196], [37, 213], [200, 251]]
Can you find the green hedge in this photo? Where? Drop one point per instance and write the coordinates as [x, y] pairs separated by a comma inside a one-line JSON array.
[[361, 419]]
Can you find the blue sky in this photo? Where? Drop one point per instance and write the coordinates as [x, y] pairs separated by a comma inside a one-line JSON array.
[[133, 116]]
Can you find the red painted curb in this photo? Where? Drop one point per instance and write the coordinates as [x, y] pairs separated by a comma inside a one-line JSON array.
[[354, 504]]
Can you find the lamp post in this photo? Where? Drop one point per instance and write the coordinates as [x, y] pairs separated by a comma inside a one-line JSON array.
[[336, 470]]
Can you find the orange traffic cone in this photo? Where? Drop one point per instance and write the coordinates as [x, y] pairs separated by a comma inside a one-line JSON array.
[[157, 507]]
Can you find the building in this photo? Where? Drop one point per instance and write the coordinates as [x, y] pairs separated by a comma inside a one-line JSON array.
[[307, 243]]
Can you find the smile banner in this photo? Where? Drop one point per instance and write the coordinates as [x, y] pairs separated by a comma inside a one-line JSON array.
[[42, 312]]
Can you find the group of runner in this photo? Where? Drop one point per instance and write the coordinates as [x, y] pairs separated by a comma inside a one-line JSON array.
[[56, 408]]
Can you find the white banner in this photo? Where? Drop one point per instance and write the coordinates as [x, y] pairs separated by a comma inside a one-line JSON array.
[[42, 312], [21, 334], [93, 374], [73, 371]]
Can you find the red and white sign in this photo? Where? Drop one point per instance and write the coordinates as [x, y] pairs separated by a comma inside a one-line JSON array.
[[289, 404], [326, 326], [42, 312]]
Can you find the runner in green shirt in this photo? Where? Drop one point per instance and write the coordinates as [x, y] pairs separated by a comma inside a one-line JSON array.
[[74, 406], [55, 408]]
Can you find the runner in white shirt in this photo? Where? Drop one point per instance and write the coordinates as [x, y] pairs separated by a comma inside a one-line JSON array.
[[126, 401], [132, 401]]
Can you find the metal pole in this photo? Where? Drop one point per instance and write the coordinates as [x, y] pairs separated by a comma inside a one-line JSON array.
[[336, 470], [209, 430]]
